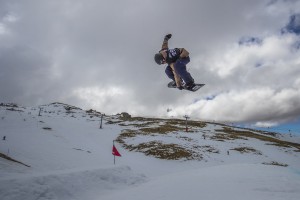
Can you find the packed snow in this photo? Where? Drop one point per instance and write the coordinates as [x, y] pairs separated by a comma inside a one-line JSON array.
[[63, 154]]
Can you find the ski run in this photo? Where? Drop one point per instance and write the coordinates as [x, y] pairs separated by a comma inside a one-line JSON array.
[[59, 152]]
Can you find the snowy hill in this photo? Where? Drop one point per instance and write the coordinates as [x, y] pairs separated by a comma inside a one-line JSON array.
[[58, 151]]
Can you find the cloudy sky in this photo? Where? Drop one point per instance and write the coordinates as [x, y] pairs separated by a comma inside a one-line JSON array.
[[99, 54]]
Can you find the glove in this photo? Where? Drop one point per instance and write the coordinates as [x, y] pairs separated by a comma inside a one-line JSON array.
[[168, 36]]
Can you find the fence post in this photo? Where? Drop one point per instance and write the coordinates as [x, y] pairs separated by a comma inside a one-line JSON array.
[[186, 126], [40, 111], [101, 121]]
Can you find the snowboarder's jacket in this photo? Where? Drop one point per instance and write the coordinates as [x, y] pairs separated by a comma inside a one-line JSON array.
[[173, 54]]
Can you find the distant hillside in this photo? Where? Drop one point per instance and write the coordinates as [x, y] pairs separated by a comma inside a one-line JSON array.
[[170, 139]]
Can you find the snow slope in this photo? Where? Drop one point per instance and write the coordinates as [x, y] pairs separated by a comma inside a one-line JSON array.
[[70, 158], [237, 181]]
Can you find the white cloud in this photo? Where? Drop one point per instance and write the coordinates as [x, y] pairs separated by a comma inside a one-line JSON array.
[[266, 124], [5, 21], [108, 99], [256, 83], [275, 51], [3, 29], [255, 105], [100, 97], [10, 18]]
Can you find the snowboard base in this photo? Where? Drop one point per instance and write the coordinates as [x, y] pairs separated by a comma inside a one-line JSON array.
[[197, 87]]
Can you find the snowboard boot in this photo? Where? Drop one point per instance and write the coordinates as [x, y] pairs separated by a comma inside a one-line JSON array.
[[172, 84], [190, 86]]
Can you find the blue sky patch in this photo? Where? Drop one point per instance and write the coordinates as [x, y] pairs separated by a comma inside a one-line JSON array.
[[209, 98], [293, 26], [249, 40]]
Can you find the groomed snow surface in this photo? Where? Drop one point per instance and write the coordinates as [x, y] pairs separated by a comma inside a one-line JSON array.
[[70, 158]]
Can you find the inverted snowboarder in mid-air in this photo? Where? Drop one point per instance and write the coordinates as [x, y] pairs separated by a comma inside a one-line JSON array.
[[176, 60]]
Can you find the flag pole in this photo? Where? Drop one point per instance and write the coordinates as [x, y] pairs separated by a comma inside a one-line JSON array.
[[114, 154]]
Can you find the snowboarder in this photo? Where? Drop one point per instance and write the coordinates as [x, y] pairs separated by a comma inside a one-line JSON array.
[[176, 60]]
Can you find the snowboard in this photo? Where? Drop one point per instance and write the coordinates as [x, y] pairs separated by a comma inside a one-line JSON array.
[[197, 87]]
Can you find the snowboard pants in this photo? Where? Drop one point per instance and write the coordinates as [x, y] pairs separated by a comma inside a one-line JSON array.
[[180, 69]]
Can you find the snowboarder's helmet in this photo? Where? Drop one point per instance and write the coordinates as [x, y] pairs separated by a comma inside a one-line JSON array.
[[159, 59]]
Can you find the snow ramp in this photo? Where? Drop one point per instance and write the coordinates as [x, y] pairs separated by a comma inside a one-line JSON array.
[[81, 184]]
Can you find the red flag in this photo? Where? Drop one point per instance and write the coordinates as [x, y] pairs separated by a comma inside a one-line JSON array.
[[115, 151]]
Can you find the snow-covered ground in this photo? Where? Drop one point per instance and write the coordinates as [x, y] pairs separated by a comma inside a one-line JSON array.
[[70, 158]]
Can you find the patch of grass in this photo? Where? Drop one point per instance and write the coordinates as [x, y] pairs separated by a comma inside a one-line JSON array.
[[157, 149], [280, 144], [121, 124], [137, 125], [160, 150], [162, 129], [275, 163], [126, 134], [247, 150], [13, 109], [238, 134], [197, 124], [176, 122], [209, 149], [146, 124], [9, 105], [182, 123], [113, 122], [220, 136], [143, 119]]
